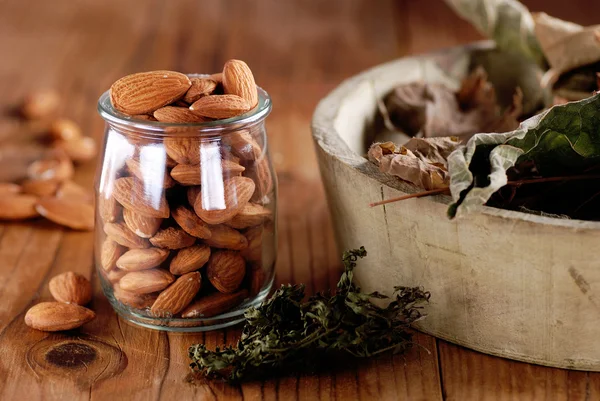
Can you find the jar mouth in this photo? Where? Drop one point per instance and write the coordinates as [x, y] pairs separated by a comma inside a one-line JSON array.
[[156, 128]]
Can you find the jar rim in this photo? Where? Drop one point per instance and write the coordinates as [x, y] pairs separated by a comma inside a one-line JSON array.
[[157, 128]]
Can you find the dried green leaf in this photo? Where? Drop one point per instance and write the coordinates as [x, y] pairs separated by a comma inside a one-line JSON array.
[[507, 22], [563, 140]]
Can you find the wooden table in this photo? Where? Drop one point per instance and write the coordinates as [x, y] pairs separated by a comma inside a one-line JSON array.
[[299, 50]]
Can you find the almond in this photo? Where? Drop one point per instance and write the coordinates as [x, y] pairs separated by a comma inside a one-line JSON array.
[[146, 281], [253, 253], [132, 194], [226, 270], [215, 209], [40, 187], [200, 87], [133, 300], [179, 294], [145, 92], [222, 236], [251, 215], [192, 194], [150, 173], [57, 316], [187, 174], [108, 208], [142, 259], [124, 236], [8, 188], [67, 212], [78, 149], [220, 106], [190, 222], [18, 207], [64, 129], [40, 104], [172, 114], [183, 150], [110, 253], [115, 275], [59, 168], [73, 191], [217, 77], [141, 225], [238, 80], [257, 279], [214, 304], [243, 145], [190, 259], [71, 288], [260, 173], [172, 238]]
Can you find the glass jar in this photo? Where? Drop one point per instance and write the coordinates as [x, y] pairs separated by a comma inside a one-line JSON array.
[[185, 218]]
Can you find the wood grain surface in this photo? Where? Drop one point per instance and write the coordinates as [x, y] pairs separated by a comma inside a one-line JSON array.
[[299, 51]]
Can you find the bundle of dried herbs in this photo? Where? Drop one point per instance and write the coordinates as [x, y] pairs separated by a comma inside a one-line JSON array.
[[286, 332]]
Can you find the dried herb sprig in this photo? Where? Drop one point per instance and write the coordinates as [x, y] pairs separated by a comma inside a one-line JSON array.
[[285, 332]]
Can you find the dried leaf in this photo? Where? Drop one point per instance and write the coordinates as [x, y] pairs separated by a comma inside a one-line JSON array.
[[566, 45], [433, 110], [563, 140], [421, 161], [507, 22]]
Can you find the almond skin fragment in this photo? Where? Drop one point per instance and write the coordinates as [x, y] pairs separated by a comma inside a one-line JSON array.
[[226, 270], [237, 193], [119, 233], [110, 253], [239, 80], [146, 281], [190, 222], [70, 213], [131, 193], [141, 225], [142, 259], [226, 237], [57, 316], [18, 207], [214, 304], [189, 175], [189, 259], [220, 106], [173, 114], [172, 238], [71, 288], [200, 87], [179, 294], [144, 92]]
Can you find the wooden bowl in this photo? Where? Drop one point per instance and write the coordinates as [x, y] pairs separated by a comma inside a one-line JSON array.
[[511, 284]]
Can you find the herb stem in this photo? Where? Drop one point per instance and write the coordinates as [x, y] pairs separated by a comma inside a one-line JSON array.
[[516, 183]]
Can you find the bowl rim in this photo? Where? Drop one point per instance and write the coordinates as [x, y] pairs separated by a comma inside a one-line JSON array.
[[331, 142]]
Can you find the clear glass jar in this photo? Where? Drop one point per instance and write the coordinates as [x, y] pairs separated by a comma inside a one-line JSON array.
[[185, 218]]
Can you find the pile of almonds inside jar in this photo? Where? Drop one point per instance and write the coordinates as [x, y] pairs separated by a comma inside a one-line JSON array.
[[187, 221], [47, 188]]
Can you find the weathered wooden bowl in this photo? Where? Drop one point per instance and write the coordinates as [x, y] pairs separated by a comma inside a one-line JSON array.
[[505, 283]]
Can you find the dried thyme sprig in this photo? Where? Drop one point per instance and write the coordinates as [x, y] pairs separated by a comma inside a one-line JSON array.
[[285, 332]]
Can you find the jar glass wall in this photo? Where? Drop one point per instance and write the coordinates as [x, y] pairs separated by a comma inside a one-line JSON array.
[[185, 219]]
